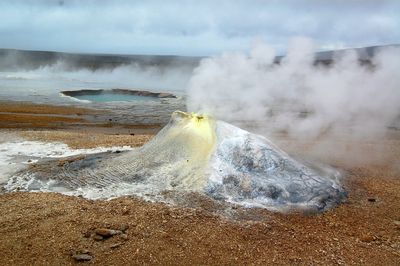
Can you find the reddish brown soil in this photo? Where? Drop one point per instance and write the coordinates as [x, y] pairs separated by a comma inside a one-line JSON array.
[[86, 140], [30, 108], [48, 228], [22, 115]]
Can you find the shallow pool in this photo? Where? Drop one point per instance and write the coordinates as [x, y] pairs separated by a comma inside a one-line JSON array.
[[113, 97]]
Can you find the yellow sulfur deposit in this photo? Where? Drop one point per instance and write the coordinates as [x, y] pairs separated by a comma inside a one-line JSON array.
[[200, 129], [192, 137]]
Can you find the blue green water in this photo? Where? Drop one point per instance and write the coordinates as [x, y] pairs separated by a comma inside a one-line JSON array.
[[114, 97]]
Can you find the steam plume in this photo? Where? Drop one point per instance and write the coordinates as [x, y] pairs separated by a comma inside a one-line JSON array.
[[297, 96], [325, 106]]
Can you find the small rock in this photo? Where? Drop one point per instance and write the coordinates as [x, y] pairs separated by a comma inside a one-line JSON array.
[[397, 224], [116, 245], [371, 199], [82, 257], [87, 234], [83, 251], [98, 237], [123, 227], [367, 238], [107, 232], [124, 236], [132, 134]]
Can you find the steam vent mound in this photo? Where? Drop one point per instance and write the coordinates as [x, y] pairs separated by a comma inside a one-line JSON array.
[[193, 153]]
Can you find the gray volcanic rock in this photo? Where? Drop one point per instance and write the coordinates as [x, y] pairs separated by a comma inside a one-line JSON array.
[[249, 170]]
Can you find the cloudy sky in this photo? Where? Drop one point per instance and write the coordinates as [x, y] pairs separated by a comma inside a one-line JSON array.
[[193, 27]]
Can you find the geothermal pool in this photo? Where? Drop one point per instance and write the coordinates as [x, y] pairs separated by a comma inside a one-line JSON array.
[[112, 97], [116, 95], [47, 88]]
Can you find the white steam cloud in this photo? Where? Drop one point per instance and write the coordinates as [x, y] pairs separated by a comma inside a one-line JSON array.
[[61, 75], [298, 97], [131, 76]]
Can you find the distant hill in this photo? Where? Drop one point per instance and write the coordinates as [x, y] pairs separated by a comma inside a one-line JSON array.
[[365, 54], [12, 59]]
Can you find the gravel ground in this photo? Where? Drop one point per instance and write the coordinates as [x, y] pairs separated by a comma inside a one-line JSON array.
[[54, 229]]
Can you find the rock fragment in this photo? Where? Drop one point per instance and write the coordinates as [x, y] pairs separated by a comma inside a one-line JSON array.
[[367, 238], [82, 257], [98, 237], [124, 236], [123, 227], [104, 232], [116, 245]]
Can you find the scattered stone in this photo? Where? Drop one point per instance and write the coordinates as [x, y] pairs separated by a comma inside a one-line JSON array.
[[371, 199], [117, 151], [82, 251], [116, 245], [123, 227], [98, 237], [29, 161], [397, 223], [367, 238], [82, 257], [87, 234], [124, 236], [132, 134], [107, 232]]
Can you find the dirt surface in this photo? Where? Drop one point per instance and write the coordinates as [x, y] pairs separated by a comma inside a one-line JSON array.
[[86, 140], [30, 108], [54, 229], [22, 115], [48, 228]]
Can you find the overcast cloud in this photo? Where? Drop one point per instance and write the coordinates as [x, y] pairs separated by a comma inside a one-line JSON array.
[[193, 27]]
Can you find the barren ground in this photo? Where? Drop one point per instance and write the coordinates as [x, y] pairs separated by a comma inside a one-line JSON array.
[[48, 228]]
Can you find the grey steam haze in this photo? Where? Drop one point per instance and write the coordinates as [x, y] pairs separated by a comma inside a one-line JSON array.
[[189, 27], [73, 71], [297, 96]]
